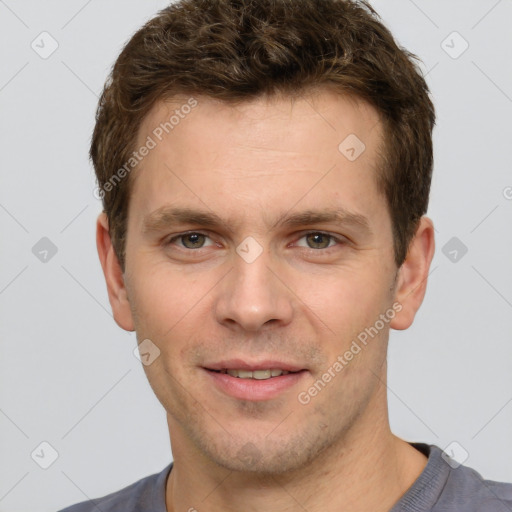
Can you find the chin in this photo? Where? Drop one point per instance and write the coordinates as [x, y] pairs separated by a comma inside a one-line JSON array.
[[268, 457]]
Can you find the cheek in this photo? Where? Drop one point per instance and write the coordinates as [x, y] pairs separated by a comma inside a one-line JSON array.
[[164, 299], [345, 301]]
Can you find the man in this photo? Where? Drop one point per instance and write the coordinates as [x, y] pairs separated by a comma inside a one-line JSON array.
[[265, 168]]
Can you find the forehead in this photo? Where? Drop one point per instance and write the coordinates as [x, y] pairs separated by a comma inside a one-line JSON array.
[[296, 115], [260, 151]]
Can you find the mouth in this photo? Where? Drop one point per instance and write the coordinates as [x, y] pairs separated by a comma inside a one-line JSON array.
[[254, 374], [254, 381]]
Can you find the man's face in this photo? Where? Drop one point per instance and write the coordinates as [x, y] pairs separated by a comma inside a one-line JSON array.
[[261, 280]]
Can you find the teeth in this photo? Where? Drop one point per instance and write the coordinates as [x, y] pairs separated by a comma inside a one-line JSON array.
[[261, 374], [243, 374], [256, 374]]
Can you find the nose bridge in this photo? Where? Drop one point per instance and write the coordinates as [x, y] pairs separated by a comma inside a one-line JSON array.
[[252, 295]]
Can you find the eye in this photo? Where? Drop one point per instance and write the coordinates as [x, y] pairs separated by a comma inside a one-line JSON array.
[[191, 240], [318, 240]]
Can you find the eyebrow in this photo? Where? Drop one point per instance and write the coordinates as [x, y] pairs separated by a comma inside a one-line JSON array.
[[166, 217], [335, 215]]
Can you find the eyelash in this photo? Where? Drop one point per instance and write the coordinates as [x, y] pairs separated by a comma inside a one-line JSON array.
[[339, 241]]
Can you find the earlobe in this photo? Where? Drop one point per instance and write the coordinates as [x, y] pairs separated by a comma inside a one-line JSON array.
[[413, 274], [114, 278]]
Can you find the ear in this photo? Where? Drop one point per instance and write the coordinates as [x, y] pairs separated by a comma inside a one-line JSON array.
[[113, 276], [413, 274]]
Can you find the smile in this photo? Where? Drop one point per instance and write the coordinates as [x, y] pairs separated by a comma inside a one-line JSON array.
[[254, 374]]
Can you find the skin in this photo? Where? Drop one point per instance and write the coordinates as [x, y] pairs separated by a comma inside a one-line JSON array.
[[299, 301]]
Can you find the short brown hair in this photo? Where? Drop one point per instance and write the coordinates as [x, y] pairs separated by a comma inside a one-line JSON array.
[[236, 50]]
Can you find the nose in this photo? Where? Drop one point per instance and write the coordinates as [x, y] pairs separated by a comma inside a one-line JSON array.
[[253, 297]]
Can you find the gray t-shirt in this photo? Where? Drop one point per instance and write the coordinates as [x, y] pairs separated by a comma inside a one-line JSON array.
[[439, 488]]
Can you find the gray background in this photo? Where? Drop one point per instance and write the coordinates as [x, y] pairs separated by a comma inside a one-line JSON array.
[[68, 375]]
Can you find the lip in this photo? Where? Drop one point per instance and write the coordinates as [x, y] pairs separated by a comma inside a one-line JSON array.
[[239, 364], [253, 389]]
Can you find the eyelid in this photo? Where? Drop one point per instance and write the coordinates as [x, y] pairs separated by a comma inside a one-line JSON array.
[[173, 238], [340, 239]]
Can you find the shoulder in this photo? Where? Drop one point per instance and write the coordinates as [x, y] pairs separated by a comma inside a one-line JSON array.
[[147, 494], [467, 490]]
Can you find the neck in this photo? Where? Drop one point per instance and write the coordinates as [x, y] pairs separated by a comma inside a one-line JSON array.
[[367, 469]]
